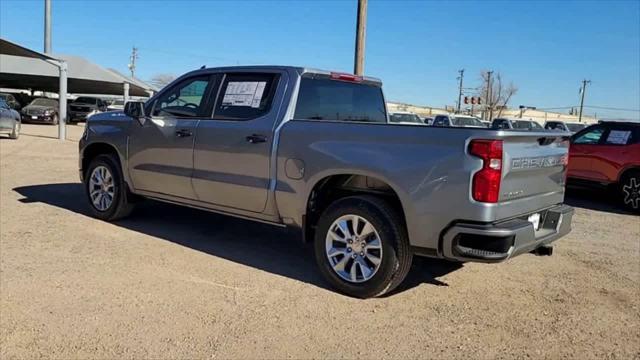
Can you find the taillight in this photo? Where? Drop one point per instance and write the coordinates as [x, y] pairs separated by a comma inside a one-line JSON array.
[[346, 77], [486, 182]]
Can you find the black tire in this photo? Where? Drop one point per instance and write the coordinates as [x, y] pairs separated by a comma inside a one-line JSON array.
[[121, 206], [396, 252], [629, 190], [15, 133]]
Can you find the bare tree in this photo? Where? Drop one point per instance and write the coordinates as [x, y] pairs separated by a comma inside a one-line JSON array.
[[498, 96], [161, 80]]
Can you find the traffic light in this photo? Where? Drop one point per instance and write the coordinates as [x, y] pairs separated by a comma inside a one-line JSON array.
[[466, 99], [479, 101], [473, 100]]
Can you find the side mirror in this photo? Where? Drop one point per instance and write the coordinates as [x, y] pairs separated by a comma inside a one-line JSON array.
[[134, 109]]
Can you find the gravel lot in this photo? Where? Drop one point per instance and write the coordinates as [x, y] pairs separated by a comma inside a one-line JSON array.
[[172, 282]]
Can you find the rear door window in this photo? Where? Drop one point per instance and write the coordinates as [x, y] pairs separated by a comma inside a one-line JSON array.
[[333, 100], [620, 135], [245, 96]]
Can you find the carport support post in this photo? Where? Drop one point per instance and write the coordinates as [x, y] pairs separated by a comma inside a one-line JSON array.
[[62, 101], [126, 92]]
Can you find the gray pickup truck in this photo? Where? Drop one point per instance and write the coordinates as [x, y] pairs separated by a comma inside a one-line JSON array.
[[314, 150]]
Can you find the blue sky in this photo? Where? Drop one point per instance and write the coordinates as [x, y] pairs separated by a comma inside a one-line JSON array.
[[416, 47]]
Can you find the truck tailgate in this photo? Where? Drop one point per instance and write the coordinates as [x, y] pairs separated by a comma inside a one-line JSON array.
[[534, 166]]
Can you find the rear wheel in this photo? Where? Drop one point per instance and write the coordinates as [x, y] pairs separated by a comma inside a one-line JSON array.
[[15, 133], [361, 246], [106, 190], [630, 190]]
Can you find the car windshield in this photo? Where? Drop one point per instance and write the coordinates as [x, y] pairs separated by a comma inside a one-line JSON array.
[[86, 100], [405, 118], [4, 96], [466, 121], [576, 127], [44, 102]]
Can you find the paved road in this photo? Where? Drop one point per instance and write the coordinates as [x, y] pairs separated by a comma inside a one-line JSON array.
[[180, 283]]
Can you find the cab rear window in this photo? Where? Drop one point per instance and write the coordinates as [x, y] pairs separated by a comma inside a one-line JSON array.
[[334, 100]]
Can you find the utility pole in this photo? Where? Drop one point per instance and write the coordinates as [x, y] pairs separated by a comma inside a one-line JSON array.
[[488, 94], [47, 26], [461, 71], [361, 30], [582, 91], [132, 61]]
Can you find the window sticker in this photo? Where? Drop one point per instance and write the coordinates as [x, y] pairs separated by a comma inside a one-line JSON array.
[[244, 93], [619, 137]]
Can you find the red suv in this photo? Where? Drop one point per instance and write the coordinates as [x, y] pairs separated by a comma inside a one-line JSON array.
[[609, 154]]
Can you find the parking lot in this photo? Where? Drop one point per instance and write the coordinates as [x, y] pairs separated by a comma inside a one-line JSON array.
[[174, 282]]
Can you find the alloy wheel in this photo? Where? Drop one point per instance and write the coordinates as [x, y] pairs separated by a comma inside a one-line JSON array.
[[353, 248]]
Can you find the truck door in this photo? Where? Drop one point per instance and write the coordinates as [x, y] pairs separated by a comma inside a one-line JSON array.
[[233, 147], [583, 145], [161, 148]]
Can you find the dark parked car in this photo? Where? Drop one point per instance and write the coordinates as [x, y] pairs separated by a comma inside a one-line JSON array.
[[10, 100], [41, 110], [83, 106], [509, 124], [9, 120]]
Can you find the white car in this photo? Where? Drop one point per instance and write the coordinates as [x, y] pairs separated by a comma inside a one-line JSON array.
[[458, 120], [116, 105], [564, 126], [407, 118]]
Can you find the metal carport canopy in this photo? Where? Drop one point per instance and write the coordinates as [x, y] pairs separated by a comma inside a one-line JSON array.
[[22, 68]]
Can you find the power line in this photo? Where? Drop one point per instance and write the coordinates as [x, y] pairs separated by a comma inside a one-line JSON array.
[[611, 108], [591, 107]]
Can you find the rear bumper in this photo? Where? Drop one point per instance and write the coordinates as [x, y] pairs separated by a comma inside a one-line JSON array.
[[78, 115], [500, 241], [48, 119]]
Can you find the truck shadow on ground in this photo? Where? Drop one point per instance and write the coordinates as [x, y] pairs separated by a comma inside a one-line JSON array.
[[261, 246]]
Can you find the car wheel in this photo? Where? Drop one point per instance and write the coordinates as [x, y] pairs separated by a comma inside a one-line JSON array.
[[362, 247], [106, 190], [15, 133], [630, 191]]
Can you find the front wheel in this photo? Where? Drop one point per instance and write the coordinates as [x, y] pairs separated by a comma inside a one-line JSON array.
[[630, 191], [106, 190], [362, 247]]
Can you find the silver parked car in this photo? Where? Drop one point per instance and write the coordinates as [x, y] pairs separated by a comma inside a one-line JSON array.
[[313, 150], [9, 120]]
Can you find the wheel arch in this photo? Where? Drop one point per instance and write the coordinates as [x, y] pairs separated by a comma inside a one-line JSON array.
[[95, 149], [329, 187], [626, 171]]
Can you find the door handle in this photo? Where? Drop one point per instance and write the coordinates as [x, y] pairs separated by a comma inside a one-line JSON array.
[[183, 133], [255, 139]]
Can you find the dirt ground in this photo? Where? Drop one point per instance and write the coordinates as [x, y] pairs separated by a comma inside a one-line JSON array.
[[172, 282]]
